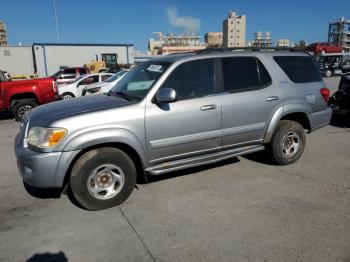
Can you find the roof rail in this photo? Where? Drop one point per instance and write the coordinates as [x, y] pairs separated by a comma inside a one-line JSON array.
[[254, 49]]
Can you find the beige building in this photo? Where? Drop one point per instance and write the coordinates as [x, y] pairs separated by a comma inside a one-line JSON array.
[[283, 43], [262, 40], [171, 43], [3, 34], [214, 39], [234, 30]]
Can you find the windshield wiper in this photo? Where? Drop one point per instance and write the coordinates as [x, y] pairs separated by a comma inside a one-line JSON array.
[[125, 95]]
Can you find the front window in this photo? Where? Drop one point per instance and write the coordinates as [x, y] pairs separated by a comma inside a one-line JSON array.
[[136, 84]]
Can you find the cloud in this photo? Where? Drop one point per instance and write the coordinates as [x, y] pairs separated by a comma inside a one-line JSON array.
[[188, 23]]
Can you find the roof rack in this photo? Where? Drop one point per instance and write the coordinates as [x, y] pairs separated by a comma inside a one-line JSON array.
[[254, 49]]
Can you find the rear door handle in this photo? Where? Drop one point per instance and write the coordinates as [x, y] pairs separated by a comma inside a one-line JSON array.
[[272, 98], [208, 107]]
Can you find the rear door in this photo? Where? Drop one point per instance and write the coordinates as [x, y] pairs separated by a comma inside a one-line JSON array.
[[248, 100], [191, 125]]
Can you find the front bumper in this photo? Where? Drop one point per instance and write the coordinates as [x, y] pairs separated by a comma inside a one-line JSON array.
[[42, 170]]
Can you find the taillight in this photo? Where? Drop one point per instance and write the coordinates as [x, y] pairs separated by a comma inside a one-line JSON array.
[[325, 93], [54, 86]]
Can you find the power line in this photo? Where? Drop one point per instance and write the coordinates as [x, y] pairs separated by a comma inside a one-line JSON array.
[[56, 20]]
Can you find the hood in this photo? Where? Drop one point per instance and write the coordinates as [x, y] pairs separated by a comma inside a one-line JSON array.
[[46, 114]]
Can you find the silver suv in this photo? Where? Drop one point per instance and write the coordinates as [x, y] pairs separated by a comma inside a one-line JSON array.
[[172, 113]]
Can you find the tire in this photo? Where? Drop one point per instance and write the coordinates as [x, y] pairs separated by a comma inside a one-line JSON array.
[[22, 107], [288, 142], [103, 178], [67, 95]]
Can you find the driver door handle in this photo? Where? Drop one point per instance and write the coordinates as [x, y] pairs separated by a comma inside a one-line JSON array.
[[208, 107], [272, 98]]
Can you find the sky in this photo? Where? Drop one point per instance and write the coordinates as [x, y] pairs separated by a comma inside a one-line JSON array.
[[134, 21]]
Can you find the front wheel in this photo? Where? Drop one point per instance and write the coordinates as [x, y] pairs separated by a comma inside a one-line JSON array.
[[103, 178], [67, 95], [288, 142], [328, 73], [22, 107]]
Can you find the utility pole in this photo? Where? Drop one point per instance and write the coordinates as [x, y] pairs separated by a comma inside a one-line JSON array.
[[56, 20]]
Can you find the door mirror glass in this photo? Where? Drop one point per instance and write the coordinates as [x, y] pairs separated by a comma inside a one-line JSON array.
[[166, 95]]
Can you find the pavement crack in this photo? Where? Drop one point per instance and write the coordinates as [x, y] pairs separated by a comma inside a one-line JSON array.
[[137, 234]]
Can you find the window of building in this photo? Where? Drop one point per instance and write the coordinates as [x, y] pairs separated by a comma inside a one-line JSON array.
[[243, 74], [192, 79], [300, 69]]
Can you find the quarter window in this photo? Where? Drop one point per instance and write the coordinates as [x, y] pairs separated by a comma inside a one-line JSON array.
[[300, 69], [192, 79]]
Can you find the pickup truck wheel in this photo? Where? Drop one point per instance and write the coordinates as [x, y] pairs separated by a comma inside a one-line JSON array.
[[288, 142], [67, 95], [22, 107], [103, 178]]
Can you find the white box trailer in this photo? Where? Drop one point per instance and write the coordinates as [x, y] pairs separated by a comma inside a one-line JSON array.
[[50, 57]]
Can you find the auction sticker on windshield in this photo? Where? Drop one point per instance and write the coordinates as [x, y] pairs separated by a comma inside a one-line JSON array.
[[155, 68]]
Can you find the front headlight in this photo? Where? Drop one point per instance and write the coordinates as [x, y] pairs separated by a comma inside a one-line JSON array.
[[43, 137]]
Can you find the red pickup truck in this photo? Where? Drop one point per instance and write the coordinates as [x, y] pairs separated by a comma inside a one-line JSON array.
[[19, 97]]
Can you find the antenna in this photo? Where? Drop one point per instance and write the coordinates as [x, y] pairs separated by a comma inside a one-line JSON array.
[[56, 20]]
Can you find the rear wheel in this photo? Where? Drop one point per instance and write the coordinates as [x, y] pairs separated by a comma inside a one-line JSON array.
[[103, 178], [22, 107], [67, 95], [288, 142]]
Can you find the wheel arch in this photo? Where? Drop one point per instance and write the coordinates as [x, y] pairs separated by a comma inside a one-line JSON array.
[[21, 96], [294, 112], [129, 150]]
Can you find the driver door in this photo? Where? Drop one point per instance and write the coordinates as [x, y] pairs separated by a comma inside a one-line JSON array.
[[85, 82], [191, 125]]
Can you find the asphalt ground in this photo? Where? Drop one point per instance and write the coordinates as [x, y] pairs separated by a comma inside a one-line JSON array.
[[244, 209]]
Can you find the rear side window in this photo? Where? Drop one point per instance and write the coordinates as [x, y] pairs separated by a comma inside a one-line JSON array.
[[244, 74], [300, 69]]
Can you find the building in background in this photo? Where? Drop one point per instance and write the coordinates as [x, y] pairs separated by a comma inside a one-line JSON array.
[[214, 39], [3, 33], [171, 44], [234, 30], [283, 43], [339, 33], [262, 40]]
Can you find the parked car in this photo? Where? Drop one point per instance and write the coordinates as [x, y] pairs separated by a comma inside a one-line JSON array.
[[19, 97], [323, 48], [340, 100], [334, 64], [172, 113], [69, 74], [77, 87], [106, 85]]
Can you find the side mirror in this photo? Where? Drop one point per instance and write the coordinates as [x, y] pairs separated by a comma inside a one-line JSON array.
[[166, 95]]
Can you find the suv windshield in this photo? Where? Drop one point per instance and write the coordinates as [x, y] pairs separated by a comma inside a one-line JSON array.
[[116, 76], [137, 83]]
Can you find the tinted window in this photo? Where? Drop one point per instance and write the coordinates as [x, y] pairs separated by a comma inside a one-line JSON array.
[[89, 80], [82, 71], [300, 69], [69, 71], [104, 77], [192, 79], [241, 74]]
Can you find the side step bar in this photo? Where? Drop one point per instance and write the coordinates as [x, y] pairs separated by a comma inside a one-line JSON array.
[[202, 159]]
